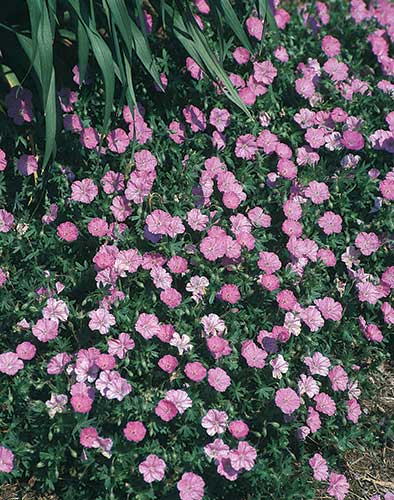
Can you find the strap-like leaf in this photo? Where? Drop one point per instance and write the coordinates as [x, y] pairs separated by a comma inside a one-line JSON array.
[[226, 9]]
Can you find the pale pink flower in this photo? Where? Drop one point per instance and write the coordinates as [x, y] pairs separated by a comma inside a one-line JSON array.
[[217, 450], [353, 410], [84, 191], [317, 192], [319, 466], [307, 385], [218, 379], [191, 486], [118, 141], [10, 364], [312, 318], [45, 329], [318, 364], [329, 308], [213, 325], [147, 325], [181, 342], [287, 400], [338, 378], [119, 347], [243, 457], [330, 223], [264, 72], [180, 399], [219, 118], [325, 404], [6, 459], [338, 487], [152, 468], [254, 355], [56, 310], [101, 320], [215, 422], [279, 366], [367, 243], [57, 404], [254, 25]]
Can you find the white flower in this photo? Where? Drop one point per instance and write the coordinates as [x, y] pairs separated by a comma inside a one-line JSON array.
[[182, 343]]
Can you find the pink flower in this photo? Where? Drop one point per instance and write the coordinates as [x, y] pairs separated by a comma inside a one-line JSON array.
[[238, 429], [325, 404], [134, 431], [318, 364], [6, 221], [264, 72], [279, 366], [194, 69], [331, 46], [230, 294], [27, 165], [254, 355], [101, 320], [353, 410], [57, 364], [171, 297], [6, 459], [118, 141], [195, 117], [352, 140], [88, 437], [180, 399], [286, 300], [152, 468], [218, 379], [313, 420], [220, 119], [112, 182], [367, 243], [84, 191], [10, 364], [287, 400], [319, 466], [147, 325], [168, 363], [254, 26], [269, 262], [338, 378], [246, 147], [89, 138], [98, 227], [312, 318], [307, 385], [338, 487], [241, 55], [195, 371], [166, 410], [26, 351], [120, 346], [243, 457], [191, 487], [330, 223], [215, 422], [177, 132], [45, 329], [67, 231], [329, 308], [317, 192]]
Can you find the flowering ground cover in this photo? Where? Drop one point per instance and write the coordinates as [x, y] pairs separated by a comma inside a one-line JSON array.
[[195, 303]]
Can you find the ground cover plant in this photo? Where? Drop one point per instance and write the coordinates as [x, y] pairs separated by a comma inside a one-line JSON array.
[[194, 303]]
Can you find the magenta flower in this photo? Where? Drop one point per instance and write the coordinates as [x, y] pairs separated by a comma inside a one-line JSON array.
[[325, 404], [166, 410], [6, 221]]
